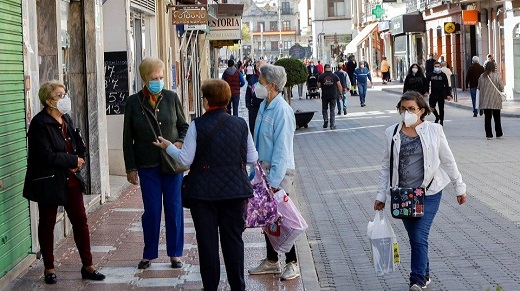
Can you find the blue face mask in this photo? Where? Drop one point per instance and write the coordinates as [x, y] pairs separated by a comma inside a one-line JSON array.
[[155, 86]]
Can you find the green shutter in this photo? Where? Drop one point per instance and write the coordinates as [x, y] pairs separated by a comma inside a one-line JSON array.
[[15, 231]]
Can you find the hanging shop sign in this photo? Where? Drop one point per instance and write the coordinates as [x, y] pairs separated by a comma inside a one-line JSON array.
[[407, 23], [469, 17], [189, 16], [225, 28], [451, 27]]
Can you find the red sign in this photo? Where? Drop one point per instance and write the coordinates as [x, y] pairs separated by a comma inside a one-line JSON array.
[[469, 17]]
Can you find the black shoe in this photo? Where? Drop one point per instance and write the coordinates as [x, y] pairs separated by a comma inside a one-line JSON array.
[[474, 115], [332, 127], [51, 278], [176, 264], [345, 111], [325, 124], [144, 265], [96, 276], [339, 112]]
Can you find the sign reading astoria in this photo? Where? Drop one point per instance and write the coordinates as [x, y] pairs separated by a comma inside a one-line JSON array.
[[189, 17], [225, 28]]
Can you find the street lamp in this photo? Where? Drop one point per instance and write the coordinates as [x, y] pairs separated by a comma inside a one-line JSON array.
[[280, 43]]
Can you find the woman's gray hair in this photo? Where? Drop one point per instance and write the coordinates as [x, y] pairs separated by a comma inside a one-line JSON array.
[[274, 74]]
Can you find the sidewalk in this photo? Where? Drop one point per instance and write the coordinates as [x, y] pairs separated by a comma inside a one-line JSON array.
[[117, 242], [511, 108]]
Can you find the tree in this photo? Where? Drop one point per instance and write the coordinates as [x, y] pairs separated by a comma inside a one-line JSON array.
[[296, 73], [246, 34]]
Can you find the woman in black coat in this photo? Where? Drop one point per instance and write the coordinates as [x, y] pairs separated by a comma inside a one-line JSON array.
[[56, 156], [415, 80]]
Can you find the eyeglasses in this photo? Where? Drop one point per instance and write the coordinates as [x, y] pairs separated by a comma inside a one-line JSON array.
[[60, 95], [410, 109]]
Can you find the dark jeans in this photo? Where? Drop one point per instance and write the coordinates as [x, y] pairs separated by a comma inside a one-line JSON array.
[[327, 103], [253, 112], [75, 209], [235, 99], [473, 92], [495, 114], [439, 115], [386, 76], [227, 218]]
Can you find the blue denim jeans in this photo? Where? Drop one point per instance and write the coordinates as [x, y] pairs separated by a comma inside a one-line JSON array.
[[343, 98], [473, 92], [235, 99], [418, 232], [362, 91]]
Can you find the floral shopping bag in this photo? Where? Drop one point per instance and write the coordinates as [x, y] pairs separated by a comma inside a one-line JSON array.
[[262, 208]]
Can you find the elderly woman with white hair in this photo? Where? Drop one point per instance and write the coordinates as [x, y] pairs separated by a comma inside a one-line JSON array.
[[273, 135]]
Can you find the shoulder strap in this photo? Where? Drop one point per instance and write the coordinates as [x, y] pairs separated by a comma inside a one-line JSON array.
[[392, 155], [149, 121], [493, 84]]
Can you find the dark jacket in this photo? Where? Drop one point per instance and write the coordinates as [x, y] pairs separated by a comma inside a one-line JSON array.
[[439, 84], [474, 72], [251, 101], [415, 83], [314, 70], [138, 150], [235, 80], [48, 162], [428, 67], [218, 170], [351, 67]]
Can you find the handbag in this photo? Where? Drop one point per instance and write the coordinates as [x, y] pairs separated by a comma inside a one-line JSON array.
[[405, 202], [283, 233], [503, 95], [186, 202], [168, 164], [262, 208]]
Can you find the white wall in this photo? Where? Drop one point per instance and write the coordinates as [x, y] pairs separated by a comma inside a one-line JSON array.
[[115, 18]]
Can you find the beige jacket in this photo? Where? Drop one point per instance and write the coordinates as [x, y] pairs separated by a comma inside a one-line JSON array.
[[489, 98]]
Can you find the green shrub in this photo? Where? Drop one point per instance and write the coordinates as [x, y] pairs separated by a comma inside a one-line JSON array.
[[295, 69]]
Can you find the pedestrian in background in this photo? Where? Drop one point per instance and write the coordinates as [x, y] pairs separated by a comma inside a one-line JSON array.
[[446, 70], [385, 70], [474, 72], [351, 67], [320, 67], [330, 91], [274, 136], [250, 69], [345, 84], [439, 91], [490, 58], [235, 79], [217, 147], [417, 143], [163, 108], [490, 101], [430, 62], [415, 80], [362, 74], [252, 102], [56, 156]]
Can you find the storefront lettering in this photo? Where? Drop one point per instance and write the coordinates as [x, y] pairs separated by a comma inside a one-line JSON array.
[[225, 23], [189, 17]]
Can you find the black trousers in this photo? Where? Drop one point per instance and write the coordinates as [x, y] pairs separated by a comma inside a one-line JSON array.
[[495, 114], [253, 112], [227, 218], [439, 115]]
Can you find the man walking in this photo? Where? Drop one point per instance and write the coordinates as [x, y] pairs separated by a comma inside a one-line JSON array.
[[474, 72], [361, 74], [351, 67], [330, 89], [235, 79], [429, 65], [439, 90], [345, 83]]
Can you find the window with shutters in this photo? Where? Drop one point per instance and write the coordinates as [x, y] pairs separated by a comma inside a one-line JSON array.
[[145, 6]]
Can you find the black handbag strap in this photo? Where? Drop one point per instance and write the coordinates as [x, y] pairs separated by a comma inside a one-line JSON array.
[[148, 119], [392, 160]]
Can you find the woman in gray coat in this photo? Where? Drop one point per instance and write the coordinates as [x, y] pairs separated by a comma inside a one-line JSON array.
[[490, 101]]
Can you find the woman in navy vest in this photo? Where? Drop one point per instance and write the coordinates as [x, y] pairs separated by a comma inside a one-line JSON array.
[[217, 148]]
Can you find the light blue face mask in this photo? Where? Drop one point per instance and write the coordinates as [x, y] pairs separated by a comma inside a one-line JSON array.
[[155, 86]]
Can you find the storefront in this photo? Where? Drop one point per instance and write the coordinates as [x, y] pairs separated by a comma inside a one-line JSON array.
[[408, 42]]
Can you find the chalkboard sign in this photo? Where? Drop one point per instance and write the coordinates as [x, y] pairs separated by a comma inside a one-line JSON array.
[[116, 82]]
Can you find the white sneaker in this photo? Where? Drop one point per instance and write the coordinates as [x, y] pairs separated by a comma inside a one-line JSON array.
[[266, 267], [291, 271], [428, 281], [415, 287]]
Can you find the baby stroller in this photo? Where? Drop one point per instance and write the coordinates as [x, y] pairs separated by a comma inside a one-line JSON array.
[[312, 87]]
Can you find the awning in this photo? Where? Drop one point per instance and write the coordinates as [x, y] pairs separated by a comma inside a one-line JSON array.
[[352, 46]]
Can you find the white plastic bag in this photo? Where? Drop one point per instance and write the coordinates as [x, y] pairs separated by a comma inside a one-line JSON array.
[[283, 233], [383, 244]]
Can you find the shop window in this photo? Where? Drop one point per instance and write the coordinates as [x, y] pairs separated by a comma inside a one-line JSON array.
[[336, 8]]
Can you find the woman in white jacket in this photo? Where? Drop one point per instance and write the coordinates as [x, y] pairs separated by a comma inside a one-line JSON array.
[[422, 157]]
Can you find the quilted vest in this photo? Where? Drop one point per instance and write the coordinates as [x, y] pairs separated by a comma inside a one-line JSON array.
[[218, 171], [234, 82]]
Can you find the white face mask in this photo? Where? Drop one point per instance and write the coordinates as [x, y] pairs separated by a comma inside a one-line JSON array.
[[64, 105], [437, 70], [260, 91], [409, 119], [414, 70], [361, 66]]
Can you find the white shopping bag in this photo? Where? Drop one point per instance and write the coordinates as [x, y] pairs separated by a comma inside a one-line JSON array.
[[383, 244], [477, 99]]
